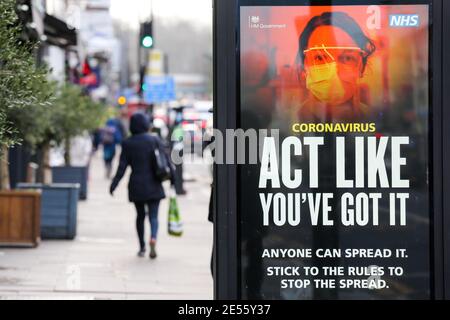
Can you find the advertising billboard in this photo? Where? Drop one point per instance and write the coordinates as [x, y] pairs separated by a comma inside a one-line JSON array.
[[337, 205]]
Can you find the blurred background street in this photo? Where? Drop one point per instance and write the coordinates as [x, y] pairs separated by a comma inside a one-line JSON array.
[[101, 262], [74, 75]]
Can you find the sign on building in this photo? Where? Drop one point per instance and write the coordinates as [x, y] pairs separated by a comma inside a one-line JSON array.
[[159, 89]]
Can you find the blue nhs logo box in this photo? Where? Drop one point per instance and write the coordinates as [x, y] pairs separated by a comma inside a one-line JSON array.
[[404, 20]]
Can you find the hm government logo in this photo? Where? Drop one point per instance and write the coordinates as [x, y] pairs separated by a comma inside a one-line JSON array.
[[254, 22], [404, 20], [254, 19]]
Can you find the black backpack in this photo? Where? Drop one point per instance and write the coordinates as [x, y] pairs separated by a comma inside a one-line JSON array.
[[162, 164]]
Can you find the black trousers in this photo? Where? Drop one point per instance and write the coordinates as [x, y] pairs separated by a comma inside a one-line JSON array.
[[179, 188]]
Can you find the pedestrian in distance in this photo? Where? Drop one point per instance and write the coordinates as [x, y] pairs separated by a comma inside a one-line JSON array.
[[145, 190], [177, 145], [110, 136]]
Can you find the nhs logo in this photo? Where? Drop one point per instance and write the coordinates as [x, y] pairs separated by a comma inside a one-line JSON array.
[[404, 20]]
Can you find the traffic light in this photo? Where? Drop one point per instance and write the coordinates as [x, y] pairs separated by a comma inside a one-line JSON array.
[[146, 38]]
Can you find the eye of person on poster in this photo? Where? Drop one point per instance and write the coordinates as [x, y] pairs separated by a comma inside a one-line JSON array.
[[333, 55]]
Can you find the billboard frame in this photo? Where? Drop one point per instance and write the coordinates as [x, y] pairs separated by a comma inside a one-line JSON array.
[[226, 116]]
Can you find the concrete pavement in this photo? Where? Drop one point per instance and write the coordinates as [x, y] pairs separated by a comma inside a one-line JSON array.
[[101, 263]]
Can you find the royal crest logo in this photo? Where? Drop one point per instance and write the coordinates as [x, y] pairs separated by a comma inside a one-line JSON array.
[[253, 21]]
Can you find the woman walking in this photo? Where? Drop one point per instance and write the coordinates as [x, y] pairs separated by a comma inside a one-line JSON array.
[[144, 188]]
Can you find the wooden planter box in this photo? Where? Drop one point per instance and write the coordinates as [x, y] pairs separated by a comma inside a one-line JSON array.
[[20, 218], [72, 175], [59, 209]]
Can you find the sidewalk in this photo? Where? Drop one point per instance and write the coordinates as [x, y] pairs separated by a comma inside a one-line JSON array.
[[101, 263]]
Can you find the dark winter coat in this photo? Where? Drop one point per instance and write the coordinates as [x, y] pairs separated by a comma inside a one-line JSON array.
[[138, 153]]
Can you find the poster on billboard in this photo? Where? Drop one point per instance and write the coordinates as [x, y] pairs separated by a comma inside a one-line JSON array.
[[337, 205]]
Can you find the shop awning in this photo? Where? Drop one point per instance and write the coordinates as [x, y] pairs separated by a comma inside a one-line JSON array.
[[58, 32]]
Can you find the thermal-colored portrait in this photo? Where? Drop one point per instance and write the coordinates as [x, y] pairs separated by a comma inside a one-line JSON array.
[[336, 63]]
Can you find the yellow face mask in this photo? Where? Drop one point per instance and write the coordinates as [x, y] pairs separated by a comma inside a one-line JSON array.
[[324, 83]]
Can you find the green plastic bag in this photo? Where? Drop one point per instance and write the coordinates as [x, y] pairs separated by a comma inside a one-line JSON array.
[[175, 226]]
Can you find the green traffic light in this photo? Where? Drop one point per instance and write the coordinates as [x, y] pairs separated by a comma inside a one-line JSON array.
[[147, 42]]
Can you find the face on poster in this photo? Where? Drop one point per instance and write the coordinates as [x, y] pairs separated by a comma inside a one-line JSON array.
[[337, 206]]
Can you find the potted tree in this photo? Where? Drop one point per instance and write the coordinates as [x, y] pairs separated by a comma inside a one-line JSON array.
[[20, 91], [75, 113], [71, 114], [59, 202]]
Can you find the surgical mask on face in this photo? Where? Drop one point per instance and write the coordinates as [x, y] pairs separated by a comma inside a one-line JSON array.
[[324, 83]]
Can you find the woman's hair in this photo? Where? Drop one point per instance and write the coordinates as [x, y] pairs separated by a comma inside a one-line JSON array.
[[342, 21]]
